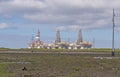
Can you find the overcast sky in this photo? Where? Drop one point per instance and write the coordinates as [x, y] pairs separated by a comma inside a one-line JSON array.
[[20, 19]]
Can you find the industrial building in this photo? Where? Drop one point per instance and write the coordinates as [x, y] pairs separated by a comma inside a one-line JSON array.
[[58, 44]]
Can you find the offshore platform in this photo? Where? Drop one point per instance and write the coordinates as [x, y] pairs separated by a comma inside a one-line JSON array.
[[58, 44], [36, 42]]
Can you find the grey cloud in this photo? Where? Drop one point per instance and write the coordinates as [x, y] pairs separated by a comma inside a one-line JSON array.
[[5, 0], [21, 6], [84, 13]]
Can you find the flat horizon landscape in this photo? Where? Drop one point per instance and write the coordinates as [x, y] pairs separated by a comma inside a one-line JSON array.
[[54, 64], [59, 38]]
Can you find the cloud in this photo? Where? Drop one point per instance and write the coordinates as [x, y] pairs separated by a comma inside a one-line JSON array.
[[3, 25], [85, 14], [20, 6]]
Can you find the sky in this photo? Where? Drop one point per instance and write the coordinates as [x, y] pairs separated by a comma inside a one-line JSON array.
[[21, 19]]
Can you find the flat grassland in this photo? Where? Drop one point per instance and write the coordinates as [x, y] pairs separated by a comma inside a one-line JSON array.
[[59, 65]]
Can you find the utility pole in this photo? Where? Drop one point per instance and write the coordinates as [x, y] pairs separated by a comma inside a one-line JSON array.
[[113, 49]]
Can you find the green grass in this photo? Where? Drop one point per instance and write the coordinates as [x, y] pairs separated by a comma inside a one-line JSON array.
[[59, 65], [67, 50], [61, 50], [3, 70]]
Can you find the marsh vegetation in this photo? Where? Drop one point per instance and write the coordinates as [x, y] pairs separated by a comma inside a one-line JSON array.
[[59, 65]]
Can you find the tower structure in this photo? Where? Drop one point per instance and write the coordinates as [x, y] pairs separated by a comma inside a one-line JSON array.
[[37, 38], [58, 40], [79, 40]]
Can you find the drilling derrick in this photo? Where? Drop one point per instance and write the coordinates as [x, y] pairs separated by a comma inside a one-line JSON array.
[[58, 40], [37, 38], [79, 37]]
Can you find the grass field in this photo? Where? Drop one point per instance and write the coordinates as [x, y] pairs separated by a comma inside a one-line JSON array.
[[59, 65], [62, 50]]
